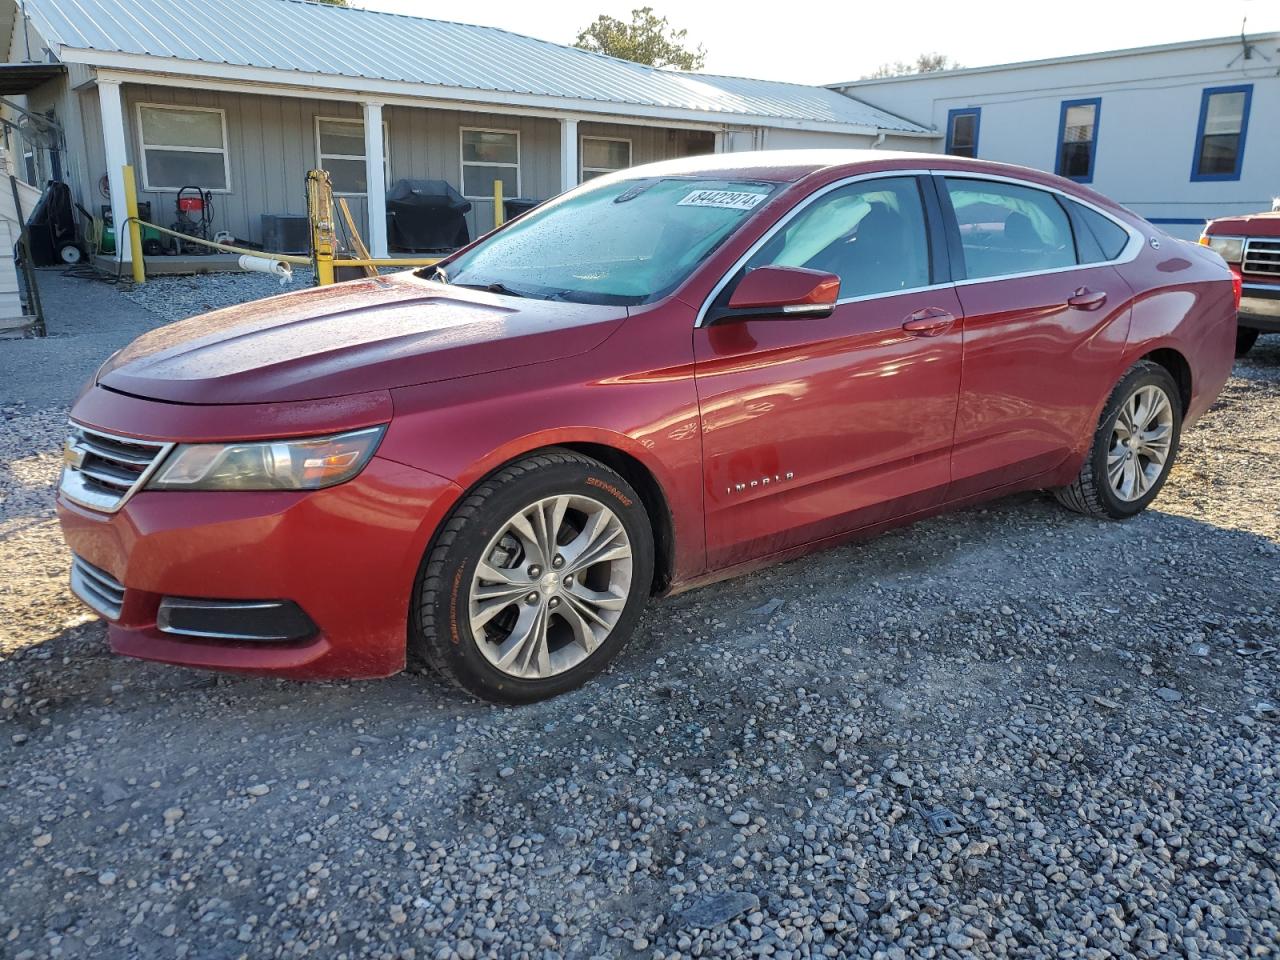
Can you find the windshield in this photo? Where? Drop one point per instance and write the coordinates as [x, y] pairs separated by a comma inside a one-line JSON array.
[[625, 242]]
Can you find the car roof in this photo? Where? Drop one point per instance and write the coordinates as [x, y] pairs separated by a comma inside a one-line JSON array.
[[783, 166], [790, 166]]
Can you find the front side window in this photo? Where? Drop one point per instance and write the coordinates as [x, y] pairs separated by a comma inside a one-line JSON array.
[[601, 155], [183, 146], [1224, 120], [340, 149], [627, 242], [1009, 229], [871, 234], [962, 132], [1078, 139], [489, 155]]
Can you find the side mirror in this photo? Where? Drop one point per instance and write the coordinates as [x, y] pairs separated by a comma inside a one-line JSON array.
[[783, 292]]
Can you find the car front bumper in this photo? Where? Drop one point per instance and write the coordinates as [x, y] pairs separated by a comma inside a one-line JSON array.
[[1260, 306], [346, 557]]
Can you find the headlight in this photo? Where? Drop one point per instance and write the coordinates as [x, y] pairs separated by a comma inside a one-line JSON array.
[[1230, 249], [307, 464]]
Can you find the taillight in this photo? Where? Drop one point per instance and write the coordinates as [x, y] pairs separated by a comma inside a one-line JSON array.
[[1237, 286]]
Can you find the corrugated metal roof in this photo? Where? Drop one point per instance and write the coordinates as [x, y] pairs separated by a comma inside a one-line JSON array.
[[313, 38]]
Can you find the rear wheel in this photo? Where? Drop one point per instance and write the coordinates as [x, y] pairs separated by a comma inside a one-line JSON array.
[[1246, 337], [1133, 448], [537, 579]]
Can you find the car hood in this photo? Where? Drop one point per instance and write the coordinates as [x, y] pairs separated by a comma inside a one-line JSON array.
[[1252, 225], [354, 337]]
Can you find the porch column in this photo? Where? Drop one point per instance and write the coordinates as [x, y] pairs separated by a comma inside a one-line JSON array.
[[722, 141], [114, 139], [375, 178], [568, 154]]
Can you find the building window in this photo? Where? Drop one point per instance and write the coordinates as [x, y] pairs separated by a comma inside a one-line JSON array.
[[601, 155], [340, 149], [962, 131], [1078, 138], [1224, 120], [183, 147], [489, 155]]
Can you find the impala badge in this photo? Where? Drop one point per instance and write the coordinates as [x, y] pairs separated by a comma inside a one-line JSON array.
[[761, 482]]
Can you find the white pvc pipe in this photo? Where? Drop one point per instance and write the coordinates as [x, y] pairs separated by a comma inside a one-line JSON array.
[[276, 268]]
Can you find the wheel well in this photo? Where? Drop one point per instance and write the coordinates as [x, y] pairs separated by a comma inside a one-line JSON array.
[[1178, 368], [655, 504]]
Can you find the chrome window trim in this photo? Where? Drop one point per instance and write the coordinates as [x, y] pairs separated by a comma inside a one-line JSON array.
[[1130, 252], [101, 504]]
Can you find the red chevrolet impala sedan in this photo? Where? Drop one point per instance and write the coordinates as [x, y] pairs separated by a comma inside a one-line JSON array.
[[663, 377]]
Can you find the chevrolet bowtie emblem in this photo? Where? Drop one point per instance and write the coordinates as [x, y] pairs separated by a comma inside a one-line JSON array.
[[73, 455]]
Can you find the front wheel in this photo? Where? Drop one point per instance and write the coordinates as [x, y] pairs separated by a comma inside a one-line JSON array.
[[536, 580], [1133, 448]]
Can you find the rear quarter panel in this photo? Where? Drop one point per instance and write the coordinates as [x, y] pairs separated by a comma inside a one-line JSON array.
[[1184, 302]]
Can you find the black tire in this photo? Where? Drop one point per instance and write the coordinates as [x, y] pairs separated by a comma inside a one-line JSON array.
[[1246, 337], [440, 630], [1090, 493]]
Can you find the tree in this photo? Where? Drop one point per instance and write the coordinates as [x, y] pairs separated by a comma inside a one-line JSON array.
[[925, 63], [648, 38]]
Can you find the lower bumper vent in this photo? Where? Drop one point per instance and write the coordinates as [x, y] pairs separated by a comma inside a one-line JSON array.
[[101, 591], [263, 621]]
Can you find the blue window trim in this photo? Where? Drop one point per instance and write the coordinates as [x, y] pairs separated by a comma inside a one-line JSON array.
[[977, 124], [1247, 90], [1096, 103]]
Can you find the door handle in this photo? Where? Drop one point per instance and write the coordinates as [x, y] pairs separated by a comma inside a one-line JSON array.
[[1086, 299], [929, 322]]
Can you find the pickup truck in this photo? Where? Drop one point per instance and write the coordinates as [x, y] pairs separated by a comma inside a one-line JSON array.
[[1251, 246]]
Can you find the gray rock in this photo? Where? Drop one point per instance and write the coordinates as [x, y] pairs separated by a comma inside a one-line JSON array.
[[719, 909]]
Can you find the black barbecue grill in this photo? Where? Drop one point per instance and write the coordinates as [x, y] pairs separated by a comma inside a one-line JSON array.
[[426, 216]]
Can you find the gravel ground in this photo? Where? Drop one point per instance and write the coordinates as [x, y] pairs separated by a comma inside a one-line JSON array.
[[1092, 704]]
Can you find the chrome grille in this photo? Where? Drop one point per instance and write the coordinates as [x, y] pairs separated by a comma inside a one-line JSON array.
[[101, 591], [1261, 256], [101, 470]]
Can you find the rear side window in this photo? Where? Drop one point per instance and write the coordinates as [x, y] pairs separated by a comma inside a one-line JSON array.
[[871, 234], [1098, 238], [1008, 229]]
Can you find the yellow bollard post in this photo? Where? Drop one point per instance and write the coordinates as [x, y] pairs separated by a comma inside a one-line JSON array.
[[499, 215], [131, 227]]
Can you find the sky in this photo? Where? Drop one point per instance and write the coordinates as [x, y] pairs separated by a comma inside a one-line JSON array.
[[826, 42]]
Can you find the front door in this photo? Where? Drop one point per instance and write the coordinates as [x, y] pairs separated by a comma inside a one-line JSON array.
[[813, 427]]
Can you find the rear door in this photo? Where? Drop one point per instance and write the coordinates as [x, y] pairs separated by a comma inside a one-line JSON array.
[[1042, 330], [812, 427]]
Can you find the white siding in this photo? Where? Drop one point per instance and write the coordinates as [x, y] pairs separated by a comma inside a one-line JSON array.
[[271, 145], [1147, 125]]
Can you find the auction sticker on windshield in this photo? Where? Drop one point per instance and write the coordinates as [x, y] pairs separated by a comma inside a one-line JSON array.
[[729, 199]]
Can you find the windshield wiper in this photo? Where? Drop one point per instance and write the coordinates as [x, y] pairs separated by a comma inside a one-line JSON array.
[[439, 275], [494, 287]]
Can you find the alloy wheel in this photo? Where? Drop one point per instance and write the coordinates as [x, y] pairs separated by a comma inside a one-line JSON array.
[[550, 586], [1140, 442]]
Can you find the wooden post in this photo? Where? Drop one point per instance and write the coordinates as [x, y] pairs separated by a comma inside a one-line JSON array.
[[499, 215], [135, 229]]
